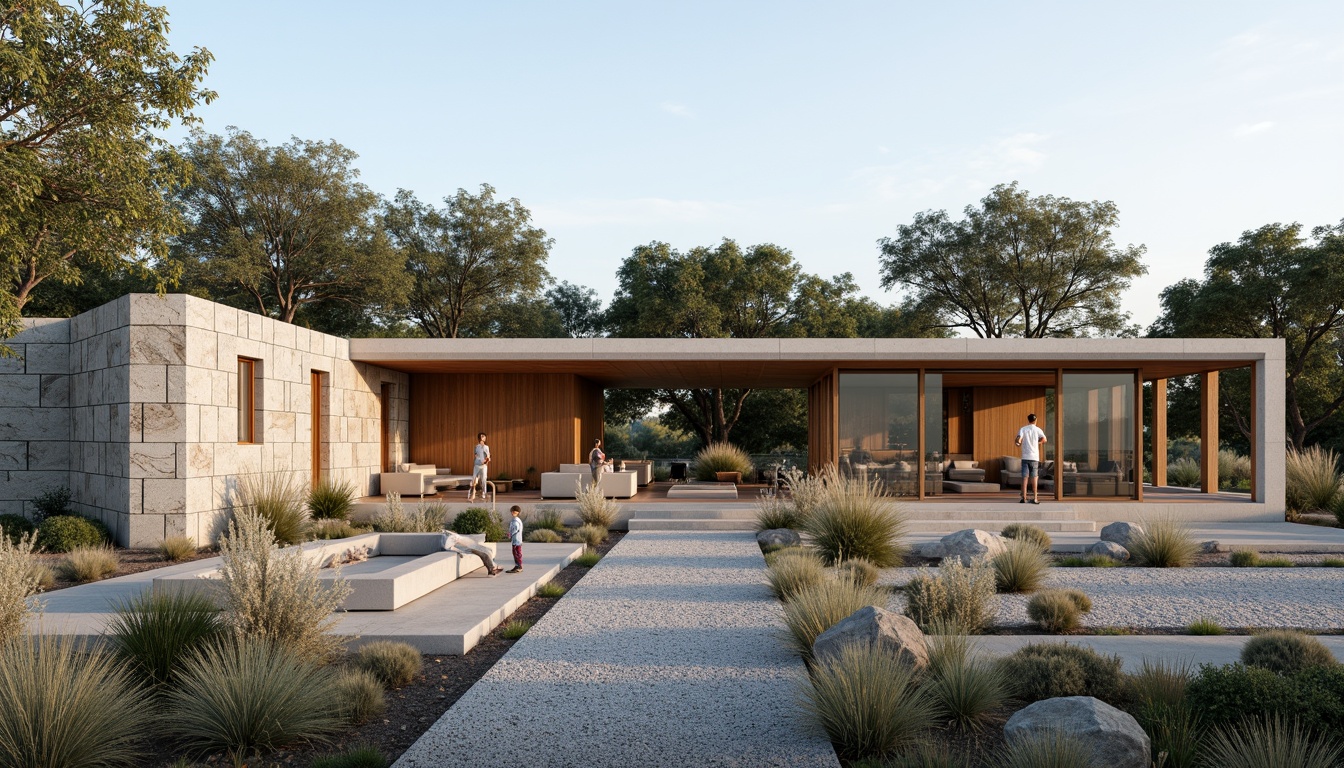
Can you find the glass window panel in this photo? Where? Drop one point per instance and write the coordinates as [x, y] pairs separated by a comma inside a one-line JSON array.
[[1098, 421], [879, 428]]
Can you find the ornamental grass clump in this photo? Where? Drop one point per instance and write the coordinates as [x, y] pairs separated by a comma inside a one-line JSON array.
[[854, 519], [775, 555], [1311, 480], [1183, 473], [1020, 567], [334, 529], [721, 457], [154, 633], [1244, 558], [953, 596], [251, 696], [859, 571], [1285, 653], [15, 527], [966, 688], [1205, 626], [594, 508], [365, 756], [588, 559], [19, 581], [589, 534], [515, 629], [64, 704], [1233, 469], [815, 609], [84, 564], [867, 702], [548, 519], [1164, 543], [394, 517], [774, 511], [806, 491], [359, 696], [790, 575], [394, 664], [1047, 749], [551, 591], [1271, 742], [277, 596], [1058, 610], [543, 536], [278, 499], [330, 500], [1025, 532], [175, 549]]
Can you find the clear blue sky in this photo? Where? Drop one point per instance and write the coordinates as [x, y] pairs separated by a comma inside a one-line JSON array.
[[819, 127]]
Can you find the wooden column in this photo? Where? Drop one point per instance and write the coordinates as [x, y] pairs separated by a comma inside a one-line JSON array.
[[1093, 428], [921, 439], [1208, 432], [1159, 432], [1138, 435], [1257, 455], [1058, 416]]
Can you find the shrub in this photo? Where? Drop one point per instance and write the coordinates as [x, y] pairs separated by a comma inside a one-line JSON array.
[[359, 696], [721, 457], [1223, 695], [473, 520], [1276, 562], [1205, 626], [551, 591], [1244, 558], [1332, 562], [175, 549], [85, 564], [395, 518], [1270, 743], [1311, 480], [587, 559], [42, 574], [18, 581], [774, 511], [959, 596], [67, 532], [330, 500], [1021, 567], [544, 536], [52, 502], [1028, 533], [547, 518], [16, 527], [1183, 473], [394, 664], [817, 608], [156, 631], [859, 571], [967, 689], [1050, 670], [1285, 652], [662, 474], [783, 553], [1233, 468], [792, 574], [1164, 543], [1337, 509], [515, 629], [1159, 683], [592, 535], [334, 529], [1087, 561], [1175, 731], [277, 596], [866, 701], [594, 508], [367, 756], [62, 704], [1058, 610], [1051, 749], [926, 755], [278, 499], [853, 518], [249, 697]]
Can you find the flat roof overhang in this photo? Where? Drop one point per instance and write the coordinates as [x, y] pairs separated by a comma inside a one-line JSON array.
[[797, 363]]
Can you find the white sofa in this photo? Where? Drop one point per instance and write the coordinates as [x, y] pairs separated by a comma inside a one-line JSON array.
[[418, 480], [643, 471], [562, 484]]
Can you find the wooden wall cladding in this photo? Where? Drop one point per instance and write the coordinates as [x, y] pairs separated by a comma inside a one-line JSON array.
[[822, 415], [959, 420], [999, 413], [532, 420]]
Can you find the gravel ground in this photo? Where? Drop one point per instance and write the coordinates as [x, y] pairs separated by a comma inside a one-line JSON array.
[[669, 652], [1303, 598]]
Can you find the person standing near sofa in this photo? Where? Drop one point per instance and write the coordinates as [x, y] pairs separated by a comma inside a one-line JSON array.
[[597, 460], [479, 466], [1031, 438]]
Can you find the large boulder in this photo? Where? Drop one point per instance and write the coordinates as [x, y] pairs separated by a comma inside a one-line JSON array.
[[873, 625], [1121, 533], [1213, 547], [1114, 737], [779, 537], [1109, 549], [933, 550], [971, 544]]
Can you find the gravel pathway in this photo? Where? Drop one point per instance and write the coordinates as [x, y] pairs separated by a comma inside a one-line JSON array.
[[1304, 598], [670, 652]]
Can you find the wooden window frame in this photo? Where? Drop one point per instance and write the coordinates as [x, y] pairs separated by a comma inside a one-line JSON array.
[[247, 401]]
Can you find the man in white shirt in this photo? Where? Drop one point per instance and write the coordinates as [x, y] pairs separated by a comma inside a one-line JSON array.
[[478, 467], [455, 542], [1031, 438]]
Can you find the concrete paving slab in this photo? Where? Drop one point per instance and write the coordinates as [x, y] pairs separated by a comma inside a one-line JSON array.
[[1134, 649], [1262, 537]]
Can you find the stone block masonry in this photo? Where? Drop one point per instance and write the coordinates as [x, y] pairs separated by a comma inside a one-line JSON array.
[[134, 406]]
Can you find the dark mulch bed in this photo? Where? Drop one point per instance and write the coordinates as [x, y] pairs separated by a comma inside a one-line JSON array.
[[129, 561]]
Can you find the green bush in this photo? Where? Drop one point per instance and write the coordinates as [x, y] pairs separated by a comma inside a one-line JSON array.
[[473, 520], [1165, 543], [175, 549], [1223, 695], [967, 689], [278, 499], [547, 518], [859, 571], [1051, 749], [330, 500], [959, 596], [866, 701], [721, 457], [85, 564], [1234, 470], [156, 631], [1244, 558], [64, 533], [395, 664], [1020, 567], [1028, 533], [62, 704], [1276, 562], [854, 519], [1058, 610], [544, 536], [551, 591], [359, 696], [1311, 480], [16, 527], [817, 608], [1286, 652], [515, 629], [587, 559], [1271, 742], [1183, 473], [356, 757], [792, 574], [52, 502], [1205, 626], [1050, 670], [592, 535]]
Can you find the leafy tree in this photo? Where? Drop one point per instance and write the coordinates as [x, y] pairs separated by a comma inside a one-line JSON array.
[[83, 91], [1273, 283], [579, 309], [1017, 265], [274, 229], [467, 258]]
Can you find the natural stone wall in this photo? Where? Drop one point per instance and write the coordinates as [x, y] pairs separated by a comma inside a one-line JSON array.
[[34, 414]]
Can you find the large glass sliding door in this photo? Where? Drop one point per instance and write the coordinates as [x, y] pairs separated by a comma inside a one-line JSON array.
[[880, 424], [1099, 426]]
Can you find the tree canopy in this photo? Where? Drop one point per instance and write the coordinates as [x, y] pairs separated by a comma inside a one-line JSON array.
[[1016, 265], [1274, 283], [83, 91]]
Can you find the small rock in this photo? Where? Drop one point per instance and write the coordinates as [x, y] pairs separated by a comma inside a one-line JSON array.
[[1114, 737], [930, 549], [875, 625], [780, 537], [1121, 533], [1109, 549], [1212, 547], [972, 544]]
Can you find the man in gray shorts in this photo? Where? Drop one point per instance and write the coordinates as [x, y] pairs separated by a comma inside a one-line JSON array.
[[1031, 438]]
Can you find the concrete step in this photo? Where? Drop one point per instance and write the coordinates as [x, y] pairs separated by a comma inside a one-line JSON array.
[[691, 524], [950, 526], [1008, 513]]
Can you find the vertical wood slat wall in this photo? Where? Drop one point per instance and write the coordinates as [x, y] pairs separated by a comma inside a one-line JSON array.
[[532, 420], [823, 439], [999, 413]]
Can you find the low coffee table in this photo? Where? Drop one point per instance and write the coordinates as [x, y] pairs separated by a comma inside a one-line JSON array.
[[961, 486], [703, 491]]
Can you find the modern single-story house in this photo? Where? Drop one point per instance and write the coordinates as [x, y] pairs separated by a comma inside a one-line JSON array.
[[150, 408]]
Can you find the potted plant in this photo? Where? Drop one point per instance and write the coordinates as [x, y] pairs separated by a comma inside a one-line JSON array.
[[503, 483]]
